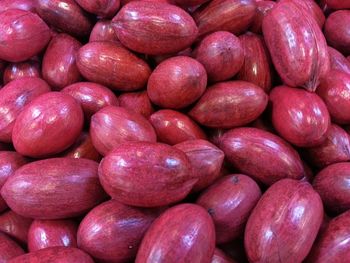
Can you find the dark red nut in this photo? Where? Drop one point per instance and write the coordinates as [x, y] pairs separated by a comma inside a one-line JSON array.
[[83, 148], [54, 255], [297, 45], [9, 248], [52, 233], [65, 15], [13, 98], [262, 8], [221, 54], [290, 212], [182, 233], [30, 68], [160, 58], [336, 31], [112, 232], [332, 184], [261, 154], [112, 126], [311, 8], [234, 16], [59, 68], [104, 31], [146, 174], [9, 163], [332, 245], [206, 161], [102, 8], [257, 63], [48, 125], [299, 116], [15, 225], [54, 188], [173, 127], [229, 104], [177, 82], [188, 3], [334, 91], [27, 5], [113, 66], [91, 96], [138, 102], [23, 34], [335, 149], [220, 257], [338, 4], [230, 201], [154, 28], [338, 61], [263, 123]]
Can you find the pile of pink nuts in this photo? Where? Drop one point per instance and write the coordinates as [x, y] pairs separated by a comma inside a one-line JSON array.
[[174, 131]]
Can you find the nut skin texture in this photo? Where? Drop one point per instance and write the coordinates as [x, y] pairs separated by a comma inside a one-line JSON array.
[[206, 161], [287, 218], [336, 31], [304, 61], [338, 61], [65, 15], [52, 233], [221, 53], [104, 31], [154, 28], [229, 104], [59, 68], [138, 102], [112, 126], [102, 8], [333, 90], [113, 66], [220, 257], [91, 96], [15, 225], [30, 68], [112, 232], [336, 148], [257, 63], [27, 5], [9, 248], [54, 255], [83, 148], [14, 97], [166, 239], [9, 162], [230, 201], [262, 8], [332, 185], [177, 82], [146, 174], [338, 4], [56, 188], [173, 127], [331, 245], [299, 116], [311, 8], [261, 155], [234, 16], [23, 34], [38, 129]]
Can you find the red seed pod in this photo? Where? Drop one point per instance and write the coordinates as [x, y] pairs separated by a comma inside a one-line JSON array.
[[23, 34], [30, 68], [164, 28], [296, 44]]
